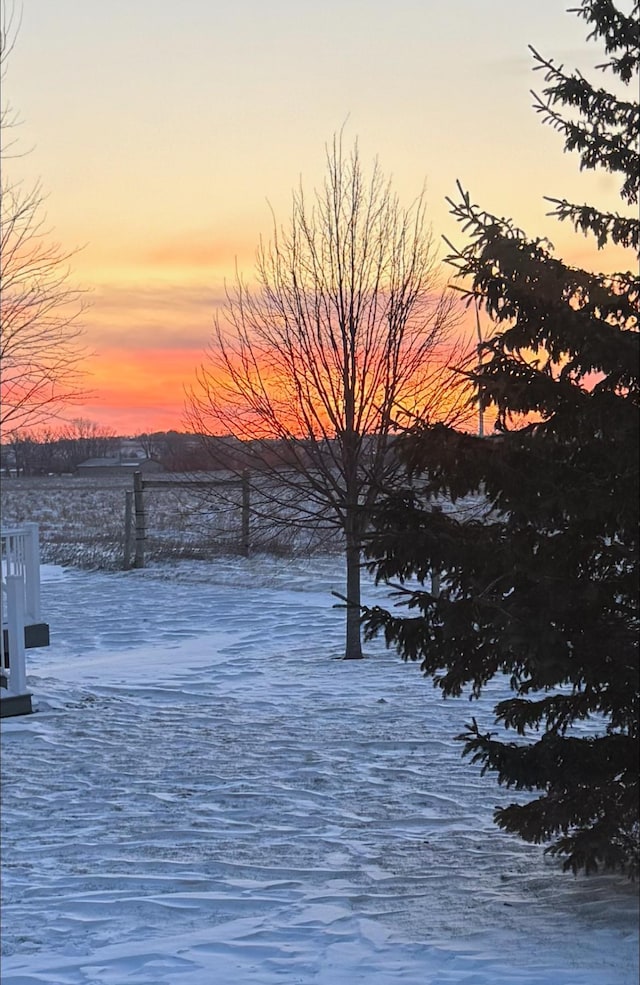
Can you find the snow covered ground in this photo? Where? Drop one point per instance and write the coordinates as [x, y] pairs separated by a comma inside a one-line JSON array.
[[207, 796]]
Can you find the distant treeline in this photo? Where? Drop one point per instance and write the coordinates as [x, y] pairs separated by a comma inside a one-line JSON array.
[[61, 452]]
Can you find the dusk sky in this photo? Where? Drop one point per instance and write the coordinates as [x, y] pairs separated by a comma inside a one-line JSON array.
[[162, 131]]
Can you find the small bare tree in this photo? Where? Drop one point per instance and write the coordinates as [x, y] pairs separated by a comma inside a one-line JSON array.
[[41, 346], [346, 331]]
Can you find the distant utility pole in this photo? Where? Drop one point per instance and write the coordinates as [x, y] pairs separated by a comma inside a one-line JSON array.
[[479, 351]]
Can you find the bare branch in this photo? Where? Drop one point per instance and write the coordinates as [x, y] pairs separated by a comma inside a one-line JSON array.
[[41, 348]]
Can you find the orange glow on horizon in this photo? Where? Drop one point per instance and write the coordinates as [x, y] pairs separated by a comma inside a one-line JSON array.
[[138, 390], [150, 334]]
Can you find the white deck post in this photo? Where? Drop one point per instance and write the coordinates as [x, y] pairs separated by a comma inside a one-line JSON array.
[[3, 649], [32, 580], [15, 627]]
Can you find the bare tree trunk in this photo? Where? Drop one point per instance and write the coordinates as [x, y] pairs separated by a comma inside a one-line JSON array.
[[353, 648]]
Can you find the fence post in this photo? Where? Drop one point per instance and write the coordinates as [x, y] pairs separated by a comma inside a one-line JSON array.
[[246, 502], [138, 497], [128, 523], [15, 632]]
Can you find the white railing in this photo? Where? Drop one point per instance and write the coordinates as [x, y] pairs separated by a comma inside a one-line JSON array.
[[21, 557], [19, 599]]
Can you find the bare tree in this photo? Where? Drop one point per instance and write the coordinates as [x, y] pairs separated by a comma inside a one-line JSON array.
[[41, 348], [151, 443], [347, 331], [61, 449], [8, 33], [80, 439]]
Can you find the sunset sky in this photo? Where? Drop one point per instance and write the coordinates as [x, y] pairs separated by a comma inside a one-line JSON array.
[[164, 130]]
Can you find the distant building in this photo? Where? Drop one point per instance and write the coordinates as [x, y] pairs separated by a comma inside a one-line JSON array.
[[117, 466]]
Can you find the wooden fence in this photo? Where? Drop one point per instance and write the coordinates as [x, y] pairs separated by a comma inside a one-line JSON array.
[[136, 517]]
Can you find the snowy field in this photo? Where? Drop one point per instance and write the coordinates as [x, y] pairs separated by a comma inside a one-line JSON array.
[[207, 796]]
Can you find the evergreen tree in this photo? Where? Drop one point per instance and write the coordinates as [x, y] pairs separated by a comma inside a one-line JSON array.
[[544, 588]]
